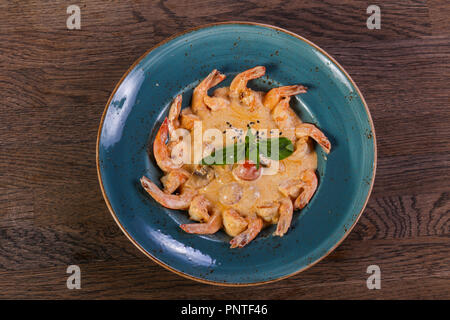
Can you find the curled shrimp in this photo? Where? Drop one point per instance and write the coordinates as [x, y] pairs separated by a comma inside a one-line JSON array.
[[310, 130], [198, 210], [290, 188], [274, 96], [255, 225], [171, 201], [174, 179], [284, 221], [285, 118], [173, 123], [213, 79], [239, 83], [212, 226], [309, 185], [302, 148], [233, 222], [188, 118], [161, 150], [268, 211], [238, 87]]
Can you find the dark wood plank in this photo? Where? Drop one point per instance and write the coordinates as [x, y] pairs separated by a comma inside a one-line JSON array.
[[403, 217], [439, 13], [418, 225], [402, 262], [43, 39], [16, 206], [412, 174]]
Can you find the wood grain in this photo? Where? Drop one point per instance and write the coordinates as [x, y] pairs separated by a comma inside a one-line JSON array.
[[55, 83]]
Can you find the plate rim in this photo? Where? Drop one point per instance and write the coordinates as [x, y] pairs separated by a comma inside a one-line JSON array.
[[231, 284]]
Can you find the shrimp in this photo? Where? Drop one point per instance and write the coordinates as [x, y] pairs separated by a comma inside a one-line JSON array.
[[233, 222], [286, 210], [161, 150], [310, 130], [274, 96], [286, 119], [255, 225], [212, 226], [239, 83], [171, 201], [188, 119], [290, 188], [198, 210], [238, 87], [309, 186], [268, 211], [302, 148], [174, 179], [213, 79], [216, 103]]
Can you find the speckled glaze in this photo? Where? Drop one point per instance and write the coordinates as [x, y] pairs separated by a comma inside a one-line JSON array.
[[139, 103]]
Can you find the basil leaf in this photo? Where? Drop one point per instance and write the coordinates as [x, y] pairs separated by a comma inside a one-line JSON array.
[[228, 155], [268, 148], [251, 150]]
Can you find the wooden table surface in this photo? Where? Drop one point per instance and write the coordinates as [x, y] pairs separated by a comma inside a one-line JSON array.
[[54, 84]]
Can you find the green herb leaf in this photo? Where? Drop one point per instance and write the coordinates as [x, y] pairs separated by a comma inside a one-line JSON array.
[[276, 148], [228, 155], [252, 148]]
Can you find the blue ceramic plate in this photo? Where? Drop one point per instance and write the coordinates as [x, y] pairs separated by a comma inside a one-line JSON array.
[[139, 103]]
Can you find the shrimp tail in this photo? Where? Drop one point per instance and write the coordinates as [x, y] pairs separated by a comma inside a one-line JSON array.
[[212, 226], [274, 96], [309, 181]]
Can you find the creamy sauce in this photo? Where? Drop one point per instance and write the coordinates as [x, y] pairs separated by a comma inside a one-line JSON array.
[[227, 191]]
